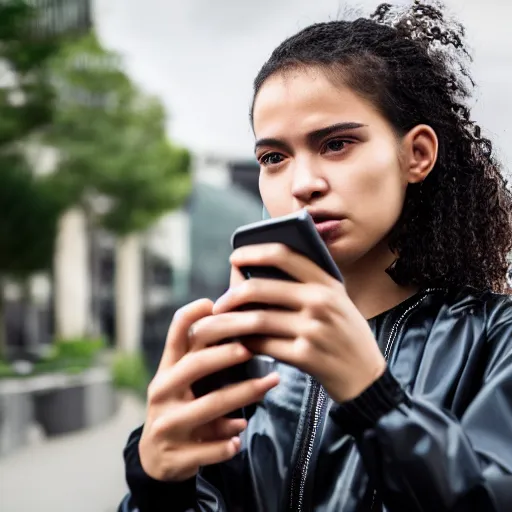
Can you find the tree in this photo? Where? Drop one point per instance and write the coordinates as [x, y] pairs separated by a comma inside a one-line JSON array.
[[30, 205], [25, 90], [113, 147]]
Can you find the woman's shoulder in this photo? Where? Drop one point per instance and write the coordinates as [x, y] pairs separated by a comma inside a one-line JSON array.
[[486, 311], [484, 302], [491, 310]]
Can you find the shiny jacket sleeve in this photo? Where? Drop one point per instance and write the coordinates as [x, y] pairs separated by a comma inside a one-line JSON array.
[[422, 458], [218, 490]]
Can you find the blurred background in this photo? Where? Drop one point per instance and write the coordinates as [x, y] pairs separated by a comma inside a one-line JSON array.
[[125, 164]]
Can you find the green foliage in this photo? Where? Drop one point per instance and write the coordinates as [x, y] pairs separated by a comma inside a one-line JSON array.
[[68, 356], [6, 371], [130, 373], [26, 101], [79, 348], [61, 365], [113, 142], [30, 208], [71, 356], [157, 184]]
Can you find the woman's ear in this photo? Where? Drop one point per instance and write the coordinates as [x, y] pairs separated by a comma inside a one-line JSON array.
[[419, 152]]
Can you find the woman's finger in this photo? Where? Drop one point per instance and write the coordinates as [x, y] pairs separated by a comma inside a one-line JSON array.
[[236, 277], [219, 403], [296, 265], [271, 292], [193, 367], [237, 324], [176, 344], [289, 351], [221, 429], [207, 453]]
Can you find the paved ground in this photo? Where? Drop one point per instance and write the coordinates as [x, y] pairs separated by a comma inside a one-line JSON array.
[[80, 472]]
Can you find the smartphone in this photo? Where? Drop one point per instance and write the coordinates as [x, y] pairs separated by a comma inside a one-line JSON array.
[[298, 232]]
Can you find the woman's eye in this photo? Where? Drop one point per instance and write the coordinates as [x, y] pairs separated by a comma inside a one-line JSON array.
[[271, 159], [335, 145]]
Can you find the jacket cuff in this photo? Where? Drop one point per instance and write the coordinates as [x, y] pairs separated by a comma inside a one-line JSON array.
[[363, 412], [150, 495]]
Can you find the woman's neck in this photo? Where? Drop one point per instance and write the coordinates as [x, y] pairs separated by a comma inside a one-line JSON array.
[[371, 289]]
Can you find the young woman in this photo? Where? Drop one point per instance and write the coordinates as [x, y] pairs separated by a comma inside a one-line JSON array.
[[395, 391]]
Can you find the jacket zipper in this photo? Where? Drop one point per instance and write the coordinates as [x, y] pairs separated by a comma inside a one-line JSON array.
[[315, 405], [315, 408]]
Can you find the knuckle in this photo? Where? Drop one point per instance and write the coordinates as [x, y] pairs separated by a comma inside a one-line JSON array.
[[182, 314], [256, 320], [317, 299], [303, 349], [192, 333], [152, 391], [185, 314], [278, 252], [248, 289], [159, 386], [334, 293], [155, 389], [158, 428], [309, 329], [162, 426], [197, 330]]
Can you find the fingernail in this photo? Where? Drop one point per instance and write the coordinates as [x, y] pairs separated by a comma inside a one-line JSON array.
[[240, 350], [274, 376], [236, 443]]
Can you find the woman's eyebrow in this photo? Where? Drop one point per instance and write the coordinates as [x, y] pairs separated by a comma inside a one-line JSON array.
[[312, 137]]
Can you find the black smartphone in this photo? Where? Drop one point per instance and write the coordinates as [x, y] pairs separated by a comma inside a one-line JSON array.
[[298, 232]]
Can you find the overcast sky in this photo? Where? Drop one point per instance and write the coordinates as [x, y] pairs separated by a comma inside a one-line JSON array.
[[200, 57]]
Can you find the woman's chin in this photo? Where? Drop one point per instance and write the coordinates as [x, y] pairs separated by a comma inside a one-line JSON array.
[[349, 255]]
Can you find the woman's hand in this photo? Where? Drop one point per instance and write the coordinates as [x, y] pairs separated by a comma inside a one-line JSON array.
[[316, 327], [182, 433]]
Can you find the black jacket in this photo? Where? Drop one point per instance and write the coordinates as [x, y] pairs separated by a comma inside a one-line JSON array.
[[434, 433]]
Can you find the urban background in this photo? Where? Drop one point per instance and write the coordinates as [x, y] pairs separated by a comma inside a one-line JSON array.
[[125, 165]]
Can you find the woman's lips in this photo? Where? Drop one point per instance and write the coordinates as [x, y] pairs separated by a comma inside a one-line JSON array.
[[329, 229]]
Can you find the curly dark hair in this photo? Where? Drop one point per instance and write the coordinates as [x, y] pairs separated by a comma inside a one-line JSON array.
[[455, 228]]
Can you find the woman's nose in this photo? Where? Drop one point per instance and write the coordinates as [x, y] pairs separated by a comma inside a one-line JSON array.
[[308, 185]]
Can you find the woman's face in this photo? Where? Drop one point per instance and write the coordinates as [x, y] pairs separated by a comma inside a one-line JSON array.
[[325, 148]]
